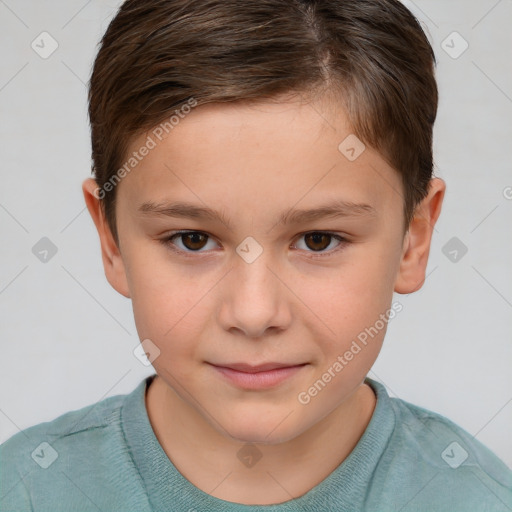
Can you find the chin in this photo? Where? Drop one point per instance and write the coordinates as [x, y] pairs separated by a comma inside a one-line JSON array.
[[266, 432]]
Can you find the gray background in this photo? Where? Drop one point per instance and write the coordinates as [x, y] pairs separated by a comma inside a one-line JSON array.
[[67, 337]]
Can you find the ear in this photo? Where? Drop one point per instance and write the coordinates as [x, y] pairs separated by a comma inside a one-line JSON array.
[[411, 274], [110, 253]]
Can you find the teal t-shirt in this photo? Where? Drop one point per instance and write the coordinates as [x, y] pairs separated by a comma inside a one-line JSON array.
[[106, 457]]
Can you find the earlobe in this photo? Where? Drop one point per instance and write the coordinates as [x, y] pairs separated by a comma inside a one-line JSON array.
[[112, 260], [411, 274]]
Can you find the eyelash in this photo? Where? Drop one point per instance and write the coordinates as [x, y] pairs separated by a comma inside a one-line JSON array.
[[167, 242]]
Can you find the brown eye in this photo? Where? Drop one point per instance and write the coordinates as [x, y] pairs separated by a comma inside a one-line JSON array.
[[194, 241], [317, 241], [317, 244], [189, 241]]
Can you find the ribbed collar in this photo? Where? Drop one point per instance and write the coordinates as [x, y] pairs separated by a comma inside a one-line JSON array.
[[344, 489]]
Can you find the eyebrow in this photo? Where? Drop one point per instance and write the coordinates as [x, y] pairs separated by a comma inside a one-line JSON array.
[[333, 209]]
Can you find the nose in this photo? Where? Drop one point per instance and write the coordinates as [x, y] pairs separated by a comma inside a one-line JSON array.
[[255, 299]]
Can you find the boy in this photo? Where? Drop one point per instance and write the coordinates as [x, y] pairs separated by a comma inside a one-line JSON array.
[[263, 184]]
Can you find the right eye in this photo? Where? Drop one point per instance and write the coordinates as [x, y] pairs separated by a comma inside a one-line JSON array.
[[191, 241]]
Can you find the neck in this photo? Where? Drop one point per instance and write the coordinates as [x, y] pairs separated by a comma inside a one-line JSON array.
[[260, 473]]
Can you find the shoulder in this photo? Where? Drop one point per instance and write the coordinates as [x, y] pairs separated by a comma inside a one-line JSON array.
[[428, 432], [63, 463], [440, 466], [64, 429]]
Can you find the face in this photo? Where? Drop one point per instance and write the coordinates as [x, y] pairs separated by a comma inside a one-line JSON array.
[[258, 280]]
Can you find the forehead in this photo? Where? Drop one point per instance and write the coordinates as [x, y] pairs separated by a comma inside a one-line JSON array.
[[271, 153]]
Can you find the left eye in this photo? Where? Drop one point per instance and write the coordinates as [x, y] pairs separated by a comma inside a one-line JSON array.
[[194, 241], [319, 241]]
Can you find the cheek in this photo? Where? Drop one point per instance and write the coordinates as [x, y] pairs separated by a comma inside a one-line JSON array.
[[167, 304], [353, 295], [344, 308]]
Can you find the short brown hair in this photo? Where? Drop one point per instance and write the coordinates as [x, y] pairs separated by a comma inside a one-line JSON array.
[[158, 54]]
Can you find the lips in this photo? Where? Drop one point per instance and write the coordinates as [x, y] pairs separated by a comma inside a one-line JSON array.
[[247, 368], [259, 377]]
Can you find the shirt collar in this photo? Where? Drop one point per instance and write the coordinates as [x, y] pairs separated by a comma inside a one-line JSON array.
[[344, 488]]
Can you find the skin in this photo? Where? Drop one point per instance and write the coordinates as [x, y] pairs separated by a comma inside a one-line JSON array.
[[254, 163]]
